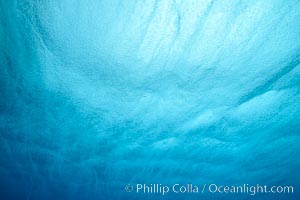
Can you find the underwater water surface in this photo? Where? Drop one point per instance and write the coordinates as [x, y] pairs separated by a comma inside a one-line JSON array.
[[112, 99]]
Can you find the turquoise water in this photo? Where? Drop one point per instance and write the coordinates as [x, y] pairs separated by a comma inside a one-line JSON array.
[[98, 98]]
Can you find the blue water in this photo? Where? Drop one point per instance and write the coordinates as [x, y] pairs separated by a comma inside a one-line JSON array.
[[96, 95]]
